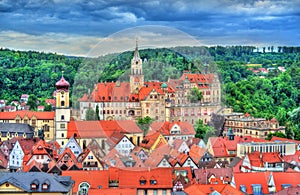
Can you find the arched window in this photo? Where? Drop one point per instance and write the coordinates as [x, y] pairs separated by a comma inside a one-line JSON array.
[[83, 188], [62, 103], [62, 117]]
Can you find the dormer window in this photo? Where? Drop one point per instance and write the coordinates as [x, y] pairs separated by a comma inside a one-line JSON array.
[[45, 186], [34, 185], [153, 181], [143, 181]]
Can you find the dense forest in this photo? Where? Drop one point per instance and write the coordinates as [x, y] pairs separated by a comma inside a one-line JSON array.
[[276, 94]]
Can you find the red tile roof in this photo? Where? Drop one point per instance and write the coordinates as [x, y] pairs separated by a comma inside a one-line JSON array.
[[286, 178], [131, 178], [165, 127], [94, 178], [224, 189], [150, 140], [85, 129], [196, 153], [26, 113], [247, 179]]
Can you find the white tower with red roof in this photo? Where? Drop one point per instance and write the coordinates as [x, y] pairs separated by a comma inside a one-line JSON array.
[[136, 74], [62, 111]]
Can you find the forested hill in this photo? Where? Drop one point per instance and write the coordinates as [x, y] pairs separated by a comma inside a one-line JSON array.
[[272, 96]]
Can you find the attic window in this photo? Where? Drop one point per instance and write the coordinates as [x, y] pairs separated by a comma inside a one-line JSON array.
[[33, 186], [142, 181], [243, 188], [153, 181], [45, 186]]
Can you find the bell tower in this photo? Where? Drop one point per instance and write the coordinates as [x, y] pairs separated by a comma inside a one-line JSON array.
[[136, 72], [62, 111]]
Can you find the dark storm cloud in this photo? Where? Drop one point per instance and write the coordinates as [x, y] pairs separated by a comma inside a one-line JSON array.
[[224, 21]]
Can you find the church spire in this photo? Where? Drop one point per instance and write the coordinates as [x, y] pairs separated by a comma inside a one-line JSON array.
[[136, 52]]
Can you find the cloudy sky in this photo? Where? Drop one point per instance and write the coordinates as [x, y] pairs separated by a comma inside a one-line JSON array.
[[74, 27]]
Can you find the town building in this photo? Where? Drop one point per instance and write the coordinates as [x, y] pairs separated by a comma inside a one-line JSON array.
[[35, 183], [38, 120], [246, 125], [162, 101], [173, 130], [11, 130]]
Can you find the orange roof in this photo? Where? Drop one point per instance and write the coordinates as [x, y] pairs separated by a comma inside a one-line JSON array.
[[123, 191], [149, 141], [286, 178], [122, 126], [158, 154], [132, 178], [85, 129], [26, 113], [165, 127], [94, 178], [247, 179], [225, 189], [196, 152]]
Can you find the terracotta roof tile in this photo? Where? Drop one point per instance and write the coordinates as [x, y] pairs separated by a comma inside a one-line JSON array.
[[247, 179], [94, 178], [224, 189], [85, 129], [165, 127], [26, 113]]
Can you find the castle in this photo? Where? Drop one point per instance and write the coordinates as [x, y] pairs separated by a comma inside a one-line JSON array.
[[161, 101]]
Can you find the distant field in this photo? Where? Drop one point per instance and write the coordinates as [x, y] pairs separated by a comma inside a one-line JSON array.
[[254, 65]]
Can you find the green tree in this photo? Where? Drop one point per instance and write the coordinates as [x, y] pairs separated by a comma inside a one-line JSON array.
[[32, 102], [90, 115], [48, 107], [277, 134], [144, 123], [195, 95], [97, 112], [203, 131]]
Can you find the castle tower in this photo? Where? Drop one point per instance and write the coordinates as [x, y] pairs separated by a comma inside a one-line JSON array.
[[136, 73], [62, 111]]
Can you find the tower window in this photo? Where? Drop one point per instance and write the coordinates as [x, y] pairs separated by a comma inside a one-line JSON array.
[[62, 117], [62, 103]]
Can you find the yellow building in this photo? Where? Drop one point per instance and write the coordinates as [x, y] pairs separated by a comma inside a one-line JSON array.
[[246, 125], [161, 101], [39, 120], [34, 183]]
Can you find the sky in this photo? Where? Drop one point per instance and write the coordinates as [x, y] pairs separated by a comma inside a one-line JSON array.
[[75, 27]]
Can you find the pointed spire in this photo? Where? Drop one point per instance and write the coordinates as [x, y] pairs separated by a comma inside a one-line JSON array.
[[136, 52]]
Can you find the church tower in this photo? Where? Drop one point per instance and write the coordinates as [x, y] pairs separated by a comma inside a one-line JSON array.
[[136, 73], [62, 111]]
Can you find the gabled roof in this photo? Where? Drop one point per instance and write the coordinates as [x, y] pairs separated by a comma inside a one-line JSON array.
[[149, 141], [3, 160], [202, 175], [165, 127], [196, 153], [23, 181], [26, 113], [160, 153]]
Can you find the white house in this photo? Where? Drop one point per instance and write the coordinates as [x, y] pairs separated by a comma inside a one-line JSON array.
[[74, 146], [124, 146], [16, 157]]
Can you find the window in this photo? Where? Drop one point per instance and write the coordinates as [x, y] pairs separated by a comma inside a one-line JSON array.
[[33, 186], [142, 181], [33, 123], [62, 117], [62, 103], [164, 192], [154, 192], [256, 188], [83, 188], [243, 188], [45, 186], [62, 135], [283, 186], [62, 126]]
